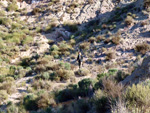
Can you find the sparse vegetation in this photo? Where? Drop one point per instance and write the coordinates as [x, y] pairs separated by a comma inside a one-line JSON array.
[[12, 6], [142, 48], [40, 75], [128, 20], [110, 55]]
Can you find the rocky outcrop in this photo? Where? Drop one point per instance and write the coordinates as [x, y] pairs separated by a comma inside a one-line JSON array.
[[140, 74]]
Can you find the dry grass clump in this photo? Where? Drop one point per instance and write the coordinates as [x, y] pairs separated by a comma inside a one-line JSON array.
[[64, 74], [128, 20], [36, 11], [142, 48], [85, 45], [100, 38], [104, 26], [50, 27], [42, 84], [45, 100], [110, 55], [82, 72], [113, 89], [8, 86], [116, 40], [92, 39], [144, 23]]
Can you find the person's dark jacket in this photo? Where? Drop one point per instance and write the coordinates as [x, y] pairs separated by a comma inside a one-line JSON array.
[[80, 57]]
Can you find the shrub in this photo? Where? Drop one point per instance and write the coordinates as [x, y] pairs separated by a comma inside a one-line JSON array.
[[65, 95], [85, 45], [92, 39], [138, 96], [113, 89], [50, 27], [128, 20], [45, 75], [3, 96], [64, 74], [8, 86], [54, 48], [64, 47], [102, 104], [142, 48], [84, 86], [110, 55], [116, 40], [12, 109], [82, 106], [15, 25], [66, 65], [2, 13], [72, 42], [100, 38], [12, 6], [40, 84], [5, 21], [36, 11], [45, 100], [27, 40], [120, 76], [30, 102], [82, 72], [70, 26]]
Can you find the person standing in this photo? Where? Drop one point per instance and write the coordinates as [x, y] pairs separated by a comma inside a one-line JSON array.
[[79, 59]]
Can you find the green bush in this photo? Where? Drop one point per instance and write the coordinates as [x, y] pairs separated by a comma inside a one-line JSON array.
[[12, 109], [5, 21], [54, 48], [84, 86], [82, 106], [45, 75], [102, 104], [15, 26], [66, 65], [3, 95], [138, 95], [2, 13], [30, 102], [27, 40], [12, 6], [65, 95]]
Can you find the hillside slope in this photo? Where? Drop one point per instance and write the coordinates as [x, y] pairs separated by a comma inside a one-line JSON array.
[[39, 43]]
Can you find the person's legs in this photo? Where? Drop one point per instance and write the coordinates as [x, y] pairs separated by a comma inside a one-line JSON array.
[[79, 63]]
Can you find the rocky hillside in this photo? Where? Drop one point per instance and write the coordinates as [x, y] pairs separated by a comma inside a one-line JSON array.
[[39, 43]]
